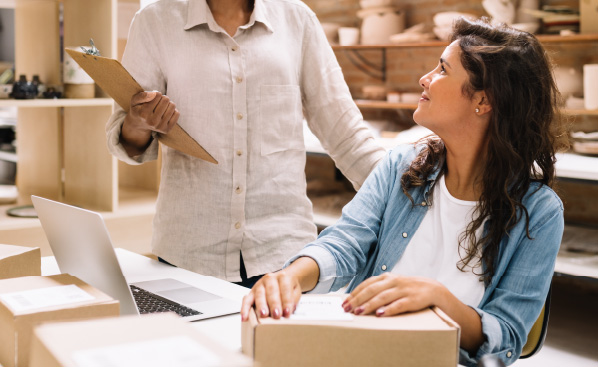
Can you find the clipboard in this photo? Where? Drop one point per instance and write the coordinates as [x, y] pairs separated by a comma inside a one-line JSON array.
[[115, 80]]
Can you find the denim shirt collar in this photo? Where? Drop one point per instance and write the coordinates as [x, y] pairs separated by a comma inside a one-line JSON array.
[[432, 179], [199, 13]]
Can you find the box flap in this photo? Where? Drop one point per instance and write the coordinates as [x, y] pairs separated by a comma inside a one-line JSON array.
[[18, 261]]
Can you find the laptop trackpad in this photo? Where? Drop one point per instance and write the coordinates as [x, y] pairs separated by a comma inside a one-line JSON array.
[[188, 295], [176, 290]]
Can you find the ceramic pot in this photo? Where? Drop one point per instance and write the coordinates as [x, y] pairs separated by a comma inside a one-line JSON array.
[[379, 24]]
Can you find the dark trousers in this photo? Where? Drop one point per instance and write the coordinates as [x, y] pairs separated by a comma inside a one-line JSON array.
[[245, 282]]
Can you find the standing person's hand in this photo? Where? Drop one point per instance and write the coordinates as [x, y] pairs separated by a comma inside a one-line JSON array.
[[150, 111], [391, 294]]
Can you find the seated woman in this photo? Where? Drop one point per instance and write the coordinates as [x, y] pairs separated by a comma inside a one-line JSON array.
[[465, 220]]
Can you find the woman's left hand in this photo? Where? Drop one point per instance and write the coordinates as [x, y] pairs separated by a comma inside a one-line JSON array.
[[391, 294]]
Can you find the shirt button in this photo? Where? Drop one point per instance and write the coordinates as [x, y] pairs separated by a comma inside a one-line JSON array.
[[238, 190], [237, 225], [239, 153], [240, 116], [424, 203], [509, 354], [239, 79], [383, 267], [234, 48], [404, 234]]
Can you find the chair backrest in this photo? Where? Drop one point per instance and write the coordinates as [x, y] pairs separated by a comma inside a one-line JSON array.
[[537, 335]]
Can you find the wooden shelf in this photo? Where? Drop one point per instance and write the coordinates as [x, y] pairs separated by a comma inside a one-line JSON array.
[[581, 112], [383, 105], [575, 166], [62, 102], [544, 38]]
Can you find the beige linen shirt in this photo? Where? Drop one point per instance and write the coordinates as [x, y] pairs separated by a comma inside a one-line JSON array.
[[243, 98]]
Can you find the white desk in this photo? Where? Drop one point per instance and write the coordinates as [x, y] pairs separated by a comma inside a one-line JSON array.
[[226, 329]]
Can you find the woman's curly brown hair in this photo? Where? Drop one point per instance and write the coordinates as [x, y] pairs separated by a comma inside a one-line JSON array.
[[525, 131]]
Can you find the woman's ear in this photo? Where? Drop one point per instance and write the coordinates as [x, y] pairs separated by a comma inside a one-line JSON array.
[[482, 106]]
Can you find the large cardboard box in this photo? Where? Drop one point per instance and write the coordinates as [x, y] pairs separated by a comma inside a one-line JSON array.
[[27, 301], [148, 340], [19, 261], [588, 14], [426, 338]]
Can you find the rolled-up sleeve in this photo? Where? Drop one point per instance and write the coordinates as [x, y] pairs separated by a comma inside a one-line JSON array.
[[141, 63], [330, 111]]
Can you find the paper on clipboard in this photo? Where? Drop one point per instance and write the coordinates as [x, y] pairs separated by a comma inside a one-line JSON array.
[[115, 80]]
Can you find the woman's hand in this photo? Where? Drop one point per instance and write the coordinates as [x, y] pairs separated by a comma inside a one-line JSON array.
[[391, 294], [277, 294], [150, 111]]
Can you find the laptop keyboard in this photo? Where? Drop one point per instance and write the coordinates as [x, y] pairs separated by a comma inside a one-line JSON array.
[[148, 302]]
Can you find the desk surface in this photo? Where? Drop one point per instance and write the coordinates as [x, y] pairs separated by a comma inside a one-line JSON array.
[[226, 329]]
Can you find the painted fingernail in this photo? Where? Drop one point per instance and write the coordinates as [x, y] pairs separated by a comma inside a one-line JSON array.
[[359, 310], [286, 312], [344, 304], [276, 313], [263, 312], [347, 308], [380, 312]]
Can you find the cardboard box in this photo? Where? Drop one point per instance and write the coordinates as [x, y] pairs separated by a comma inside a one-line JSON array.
[[148, 340], [588, 14], [19, 261], [27, 301], [425, 338]]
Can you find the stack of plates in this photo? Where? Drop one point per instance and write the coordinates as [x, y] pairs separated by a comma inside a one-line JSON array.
[[585, 143]]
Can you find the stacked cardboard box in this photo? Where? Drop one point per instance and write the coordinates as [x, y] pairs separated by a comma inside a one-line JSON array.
[[28, 301], [149, 340], [19, 261]]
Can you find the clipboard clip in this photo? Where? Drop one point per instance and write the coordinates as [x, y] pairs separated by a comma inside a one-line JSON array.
[[91, 50]]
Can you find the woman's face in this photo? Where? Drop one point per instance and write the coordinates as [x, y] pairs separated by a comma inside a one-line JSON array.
[[443, 108]]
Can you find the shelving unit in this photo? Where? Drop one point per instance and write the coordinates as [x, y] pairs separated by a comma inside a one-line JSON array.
[[542, 38], [62, 152], [63, 102]]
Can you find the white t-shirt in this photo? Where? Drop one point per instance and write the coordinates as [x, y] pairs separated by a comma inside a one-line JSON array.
[[434, 249]]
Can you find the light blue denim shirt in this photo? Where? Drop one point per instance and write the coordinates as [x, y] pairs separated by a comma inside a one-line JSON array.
[[377, 225]]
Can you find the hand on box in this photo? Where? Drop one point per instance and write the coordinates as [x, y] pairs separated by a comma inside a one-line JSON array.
[[391, 294], [275, 294]]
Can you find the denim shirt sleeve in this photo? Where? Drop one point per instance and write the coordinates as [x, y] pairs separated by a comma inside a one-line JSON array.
[[341, 250], [521, 282]]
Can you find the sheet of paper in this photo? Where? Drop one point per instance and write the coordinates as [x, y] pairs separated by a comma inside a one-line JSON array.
[[180, 351], [323, 308], [45, 297]]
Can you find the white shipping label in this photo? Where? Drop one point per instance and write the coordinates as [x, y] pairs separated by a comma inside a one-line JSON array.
[[321, 309], [45, 297], [180, 351]]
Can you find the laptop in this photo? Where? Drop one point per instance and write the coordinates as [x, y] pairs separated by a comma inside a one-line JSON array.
[[82, 247]]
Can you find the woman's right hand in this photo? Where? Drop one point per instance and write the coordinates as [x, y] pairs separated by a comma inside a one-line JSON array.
[[275, 294], [150, 111]]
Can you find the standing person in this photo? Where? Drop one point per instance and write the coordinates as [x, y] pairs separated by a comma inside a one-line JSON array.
[[242, 74], [465, 221]]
